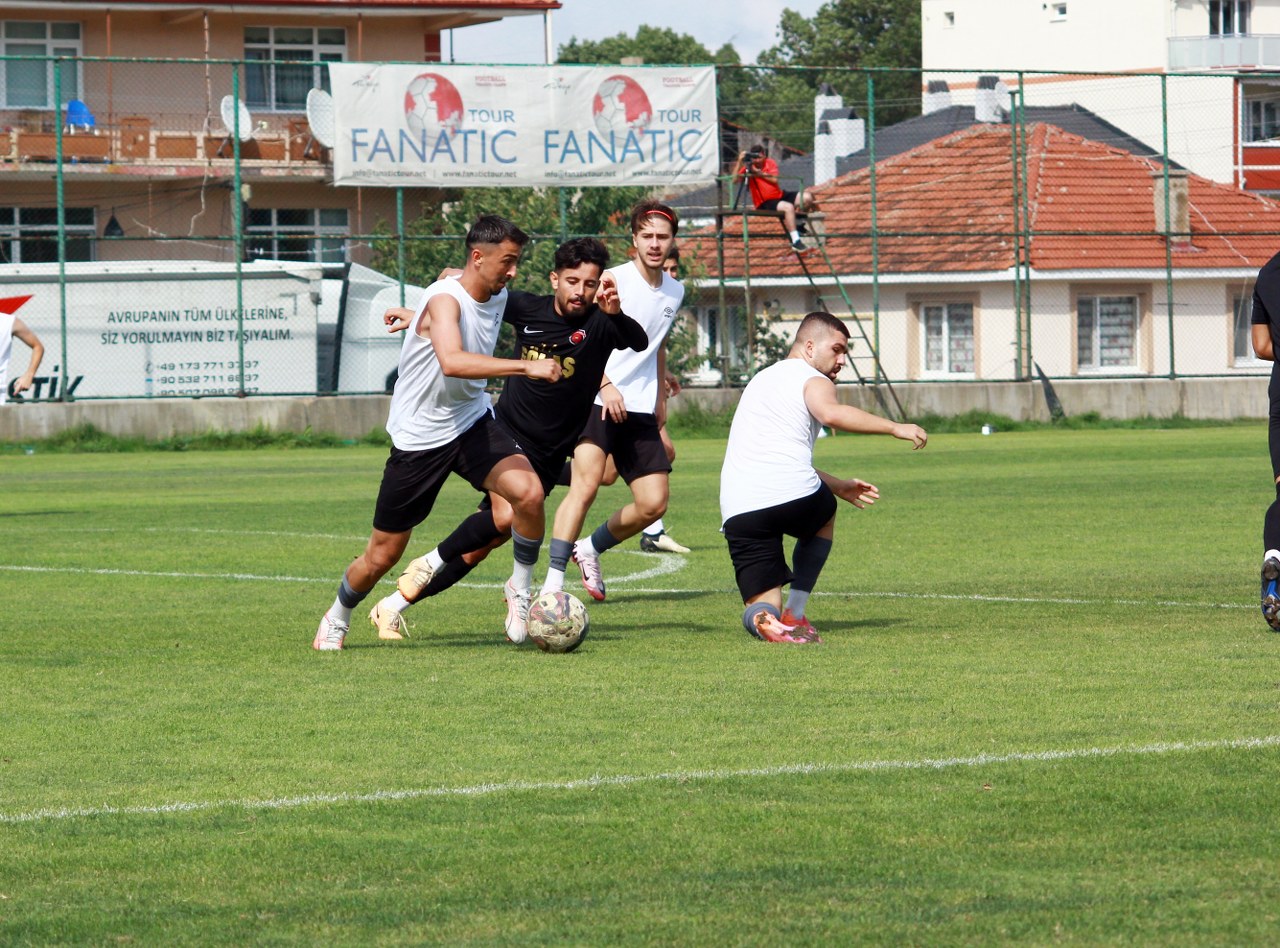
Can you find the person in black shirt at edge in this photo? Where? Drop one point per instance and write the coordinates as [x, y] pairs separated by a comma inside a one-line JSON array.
[[579, 325], [1265, 333]]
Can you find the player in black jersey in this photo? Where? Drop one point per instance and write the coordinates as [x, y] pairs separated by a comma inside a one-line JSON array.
[[579, 326]]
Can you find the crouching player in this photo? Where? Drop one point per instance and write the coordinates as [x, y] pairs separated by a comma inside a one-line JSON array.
[[769, 487]]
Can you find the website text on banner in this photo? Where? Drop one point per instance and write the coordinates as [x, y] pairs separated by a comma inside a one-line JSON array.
[[490, 126]]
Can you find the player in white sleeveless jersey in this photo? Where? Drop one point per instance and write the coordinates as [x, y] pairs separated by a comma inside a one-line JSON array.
[[769, 487], [12, 327], [441, 422], [630, 409]]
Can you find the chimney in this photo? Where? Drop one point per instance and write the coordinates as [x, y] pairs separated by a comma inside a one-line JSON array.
[[848, 132], [1179, 226], [824, 101], [938, 97], [991, 104], [824, 154]]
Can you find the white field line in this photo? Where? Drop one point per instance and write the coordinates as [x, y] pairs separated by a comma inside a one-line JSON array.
[[629, 780], [669, 563]]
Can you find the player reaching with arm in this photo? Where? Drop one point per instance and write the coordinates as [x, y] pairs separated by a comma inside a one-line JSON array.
[[12, 327], [1265, 332], [544, 416], [769, 487], [631, 408], [441, 421]]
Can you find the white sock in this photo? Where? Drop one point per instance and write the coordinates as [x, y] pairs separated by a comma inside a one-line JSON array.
[[796, 602], [1269, 554], [340, 612], [395, 602], [795, 235], [522, 575], [554, 581], [585, 547], [657, 528], [433, 559]]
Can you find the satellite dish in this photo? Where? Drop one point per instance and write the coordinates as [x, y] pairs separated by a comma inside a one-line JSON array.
[[230, 106], [320, 117]]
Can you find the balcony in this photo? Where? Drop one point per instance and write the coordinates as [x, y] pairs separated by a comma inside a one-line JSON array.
[[1196, 53], [158, 146]]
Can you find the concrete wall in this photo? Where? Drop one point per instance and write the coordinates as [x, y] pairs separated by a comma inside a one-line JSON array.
[[356, 415]]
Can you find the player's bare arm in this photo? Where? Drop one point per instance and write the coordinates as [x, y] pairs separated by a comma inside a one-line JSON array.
[[614, 405], [456, 362], [23, 332], [399, 318], [660, 409], [856, 491], [1260, 334], [820, 398]]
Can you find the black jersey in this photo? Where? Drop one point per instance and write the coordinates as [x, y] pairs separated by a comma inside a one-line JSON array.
[[547, 417], [1266, 299]]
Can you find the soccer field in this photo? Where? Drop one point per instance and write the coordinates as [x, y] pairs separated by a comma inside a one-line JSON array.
[[1046, 710]]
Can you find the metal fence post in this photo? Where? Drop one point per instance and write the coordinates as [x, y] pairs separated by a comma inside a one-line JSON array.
[[875, 228], [1168, 221], [60, 198], [237, 222]]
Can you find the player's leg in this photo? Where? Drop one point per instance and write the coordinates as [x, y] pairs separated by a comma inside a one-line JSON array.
[[760, 570], [411, 480], [1271, 522], [654, 538], [514, 481], [814, 525], [642, 463], [588, 467]]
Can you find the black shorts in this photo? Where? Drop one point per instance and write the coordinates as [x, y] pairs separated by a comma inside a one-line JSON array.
[[755, 539], [772, 205], [411, 480], [636, 444]]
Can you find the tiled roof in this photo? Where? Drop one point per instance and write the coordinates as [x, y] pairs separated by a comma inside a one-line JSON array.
[[948, 206]]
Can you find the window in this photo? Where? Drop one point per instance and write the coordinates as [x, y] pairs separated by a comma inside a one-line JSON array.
[[949, 19], [1228, 17], [1107, 332], [30, 234], [290, 234], [1057, 11], [1261, 119], [28, 83], [948, 339], [271, 82], [1242, 332]]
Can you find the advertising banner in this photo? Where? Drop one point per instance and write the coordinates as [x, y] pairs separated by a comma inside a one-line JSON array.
[[161, 328], [492, 126]]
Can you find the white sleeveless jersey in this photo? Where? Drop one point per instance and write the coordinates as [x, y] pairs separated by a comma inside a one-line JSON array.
[[429, 409], [769, 458], [6, 352], [636, 373]]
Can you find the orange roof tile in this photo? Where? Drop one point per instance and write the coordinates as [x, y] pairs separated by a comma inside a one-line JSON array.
[[948, 207]]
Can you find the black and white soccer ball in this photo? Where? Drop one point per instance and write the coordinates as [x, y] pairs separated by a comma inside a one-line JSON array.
[[558, 622]]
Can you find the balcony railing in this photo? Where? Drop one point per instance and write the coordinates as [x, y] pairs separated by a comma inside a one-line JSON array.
[[1224, 52]]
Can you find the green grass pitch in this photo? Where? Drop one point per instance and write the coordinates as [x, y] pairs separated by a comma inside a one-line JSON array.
[[1047, 710]]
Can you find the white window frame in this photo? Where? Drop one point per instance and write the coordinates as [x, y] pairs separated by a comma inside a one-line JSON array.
[[1229, 17], [273, 49], [12, 230], [1242, 309], [314, 232], [72, 79], [1057, 11], [1095, 367], [1261, 119], [946, 306]]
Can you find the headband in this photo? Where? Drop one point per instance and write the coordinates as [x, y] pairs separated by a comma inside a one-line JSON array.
[[663, 213]]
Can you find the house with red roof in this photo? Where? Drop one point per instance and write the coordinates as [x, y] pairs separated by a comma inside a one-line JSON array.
[[993, 248], [147, 145]]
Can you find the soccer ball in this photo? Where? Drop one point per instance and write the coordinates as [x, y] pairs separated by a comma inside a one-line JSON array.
[[557, 622]]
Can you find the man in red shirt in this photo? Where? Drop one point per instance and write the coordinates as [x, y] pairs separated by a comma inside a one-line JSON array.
[[761, 175]]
